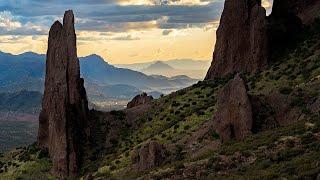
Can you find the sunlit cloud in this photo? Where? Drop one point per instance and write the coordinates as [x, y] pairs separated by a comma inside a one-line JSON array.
[[10, 26]]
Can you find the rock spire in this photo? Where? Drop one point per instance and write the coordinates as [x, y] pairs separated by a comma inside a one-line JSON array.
[[241, 44], [64, 116]]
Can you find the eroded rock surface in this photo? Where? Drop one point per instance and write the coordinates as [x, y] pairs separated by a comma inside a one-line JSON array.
[[241, 44], [149, 156], [64, 115], [233, 118], [139, 100]]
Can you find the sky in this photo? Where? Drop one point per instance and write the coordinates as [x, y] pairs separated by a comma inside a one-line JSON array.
[[121, 31]]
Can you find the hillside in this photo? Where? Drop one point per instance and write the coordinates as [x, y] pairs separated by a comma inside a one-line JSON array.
[[23, 101], [183, 122]]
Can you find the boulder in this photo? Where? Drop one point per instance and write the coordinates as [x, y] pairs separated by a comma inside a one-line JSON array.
[[139, 100], [149, 156], [233, 118], [64, 115], [281, 104], [241, 44]]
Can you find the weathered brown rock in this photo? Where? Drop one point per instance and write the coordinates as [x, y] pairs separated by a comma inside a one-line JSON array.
[[241, 44], [149, 156], [139, 100], [64, 115], [233, 118]]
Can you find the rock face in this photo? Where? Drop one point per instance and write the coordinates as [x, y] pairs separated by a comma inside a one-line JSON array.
[[233, 118], [287, 20], [64, 115], [305, 10], [148, 156], [241, 44], [139, 100]]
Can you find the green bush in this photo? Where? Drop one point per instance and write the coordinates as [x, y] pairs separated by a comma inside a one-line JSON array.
[[288, 153], [286, 90]]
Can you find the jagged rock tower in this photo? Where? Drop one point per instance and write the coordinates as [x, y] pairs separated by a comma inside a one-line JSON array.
[[241, 44], [64, 116]]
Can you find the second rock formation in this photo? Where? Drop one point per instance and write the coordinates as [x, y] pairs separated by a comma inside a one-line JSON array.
[[233, 118]]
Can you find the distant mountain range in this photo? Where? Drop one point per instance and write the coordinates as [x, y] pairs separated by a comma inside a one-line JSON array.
[[192, 68], [21, 102], [103, 81]]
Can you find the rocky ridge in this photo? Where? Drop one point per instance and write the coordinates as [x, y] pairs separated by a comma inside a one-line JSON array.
[[139, 100]]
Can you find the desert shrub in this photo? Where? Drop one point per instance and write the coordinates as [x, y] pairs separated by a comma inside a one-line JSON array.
[[112, 168], [200, 113], [120, 115], [288, 153], [297, 101], [179, 154], [186, 127], [275, 77], [186, 105], [175, 104], [307, 138], [179, 166], [285, 90]]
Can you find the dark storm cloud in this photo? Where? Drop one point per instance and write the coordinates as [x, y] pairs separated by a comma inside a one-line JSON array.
[[107, 16]]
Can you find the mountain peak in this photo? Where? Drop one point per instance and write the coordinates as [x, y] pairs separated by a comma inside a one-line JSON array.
[[158, 65]]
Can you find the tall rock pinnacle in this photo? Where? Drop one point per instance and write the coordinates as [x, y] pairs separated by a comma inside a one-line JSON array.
[[241, 44], [64, 116]]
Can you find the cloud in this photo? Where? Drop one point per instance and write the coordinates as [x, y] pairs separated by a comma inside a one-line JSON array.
[[86, 36], [113, 15], [166, 32], [126, 38], [10, 26]]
